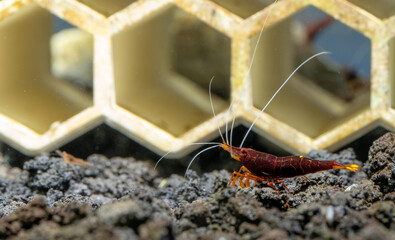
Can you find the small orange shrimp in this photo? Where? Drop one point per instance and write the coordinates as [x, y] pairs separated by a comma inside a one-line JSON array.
[[68, 158]]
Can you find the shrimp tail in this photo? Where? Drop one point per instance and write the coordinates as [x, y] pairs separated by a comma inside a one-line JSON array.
[[350, 167]]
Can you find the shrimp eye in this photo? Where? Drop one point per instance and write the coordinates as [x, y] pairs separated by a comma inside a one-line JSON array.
[[243, 151]]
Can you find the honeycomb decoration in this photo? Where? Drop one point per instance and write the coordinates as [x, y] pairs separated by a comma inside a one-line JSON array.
[[153, 60]]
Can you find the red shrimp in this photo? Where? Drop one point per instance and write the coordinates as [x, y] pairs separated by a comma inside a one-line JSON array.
[[260, 166]]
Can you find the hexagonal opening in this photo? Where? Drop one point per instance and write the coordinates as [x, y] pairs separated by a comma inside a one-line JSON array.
[[30, 93], [392, 71], [242, 8], [162, 69], [106, 7], [325, 92], [379, 8]]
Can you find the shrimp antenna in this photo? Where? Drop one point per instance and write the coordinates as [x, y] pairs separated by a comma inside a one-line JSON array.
[[249, 70], [203, 143], [226, 125], [204, 150], [212, 108], [278, 90], [212, 143]]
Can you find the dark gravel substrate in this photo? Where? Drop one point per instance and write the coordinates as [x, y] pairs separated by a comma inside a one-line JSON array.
[[122, 198]]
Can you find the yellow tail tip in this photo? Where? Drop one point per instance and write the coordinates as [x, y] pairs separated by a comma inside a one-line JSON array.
[[350, 167]]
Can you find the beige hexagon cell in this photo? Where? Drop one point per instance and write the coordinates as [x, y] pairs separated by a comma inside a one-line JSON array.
[[39, 111], [162, 66], [323, 93], [150, 78]]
